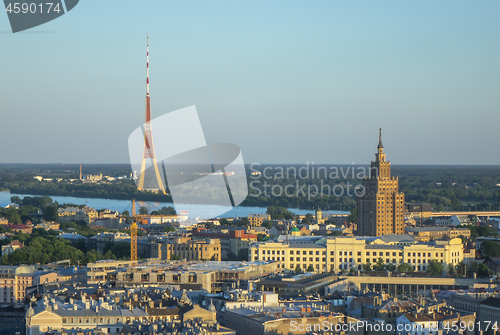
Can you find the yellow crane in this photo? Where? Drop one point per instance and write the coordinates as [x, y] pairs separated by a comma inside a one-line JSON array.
[[133, 234]]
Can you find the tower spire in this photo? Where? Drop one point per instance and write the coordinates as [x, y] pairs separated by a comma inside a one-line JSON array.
[[147, 65], [380, 145]]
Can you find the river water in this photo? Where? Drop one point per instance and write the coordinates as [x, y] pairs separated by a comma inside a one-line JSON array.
[[125, 205]]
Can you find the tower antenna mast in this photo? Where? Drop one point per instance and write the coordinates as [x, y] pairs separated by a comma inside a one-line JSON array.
[[149, 151]]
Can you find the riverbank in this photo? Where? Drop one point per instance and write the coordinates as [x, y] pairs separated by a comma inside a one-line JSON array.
[[122, 205]]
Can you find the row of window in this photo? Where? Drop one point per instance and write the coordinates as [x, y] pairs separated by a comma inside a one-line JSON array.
[[368, 253]]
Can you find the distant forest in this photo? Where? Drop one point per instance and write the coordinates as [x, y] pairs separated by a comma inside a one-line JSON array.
[[445, 187]]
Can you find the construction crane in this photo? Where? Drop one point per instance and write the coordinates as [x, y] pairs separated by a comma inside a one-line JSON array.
[[133, 234]]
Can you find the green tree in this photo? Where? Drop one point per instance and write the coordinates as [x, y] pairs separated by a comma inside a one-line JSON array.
[[298, 269], [243, 254], [14, 218], [482, 270], [490, 249], [92, 256], [168, 229], [308, 218], [262, 237], [367, 266], [279, 213], [405, 267], [143, 210], [451, 270], [461, 269], [224, 222], [51, 213], [353, 217], [310, 268], [267, 224], [244, 222], [435, 268], [380, 265], [231, 256], [15, 199]]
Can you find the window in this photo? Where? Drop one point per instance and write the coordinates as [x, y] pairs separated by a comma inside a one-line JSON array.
[[367, 253], [332, 253]]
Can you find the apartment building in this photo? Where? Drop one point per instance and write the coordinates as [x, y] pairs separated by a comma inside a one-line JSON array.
[[344, 253], [192, 250], [425, 234], [7, 249], [15, 279], [73, 214], [231, 240], [258, 219]]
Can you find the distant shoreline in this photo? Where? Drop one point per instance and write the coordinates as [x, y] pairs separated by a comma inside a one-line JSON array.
[[146, 198]]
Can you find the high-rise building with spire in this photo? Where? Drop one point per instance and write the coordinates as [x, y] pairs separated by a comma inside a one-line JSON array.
[[381, 208]]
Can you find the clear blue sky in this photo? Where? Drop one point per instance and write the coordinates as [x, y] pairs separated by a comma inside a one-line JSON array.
[[287, 81]]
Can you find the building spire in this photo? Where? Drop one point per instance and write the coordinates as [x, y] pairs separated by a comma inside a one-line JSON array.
[[147, 65], [380, 145]]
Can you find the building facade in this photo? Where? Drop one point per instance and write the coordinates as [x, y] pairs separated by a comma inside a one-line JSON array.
[[343, 253], [232, 241], [381, 207], [191, 250], [258, 219], [15, 279]]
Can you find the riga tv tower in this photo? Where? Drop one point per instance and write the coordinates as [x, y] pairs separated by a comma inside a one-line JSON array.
[[149, 151]]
